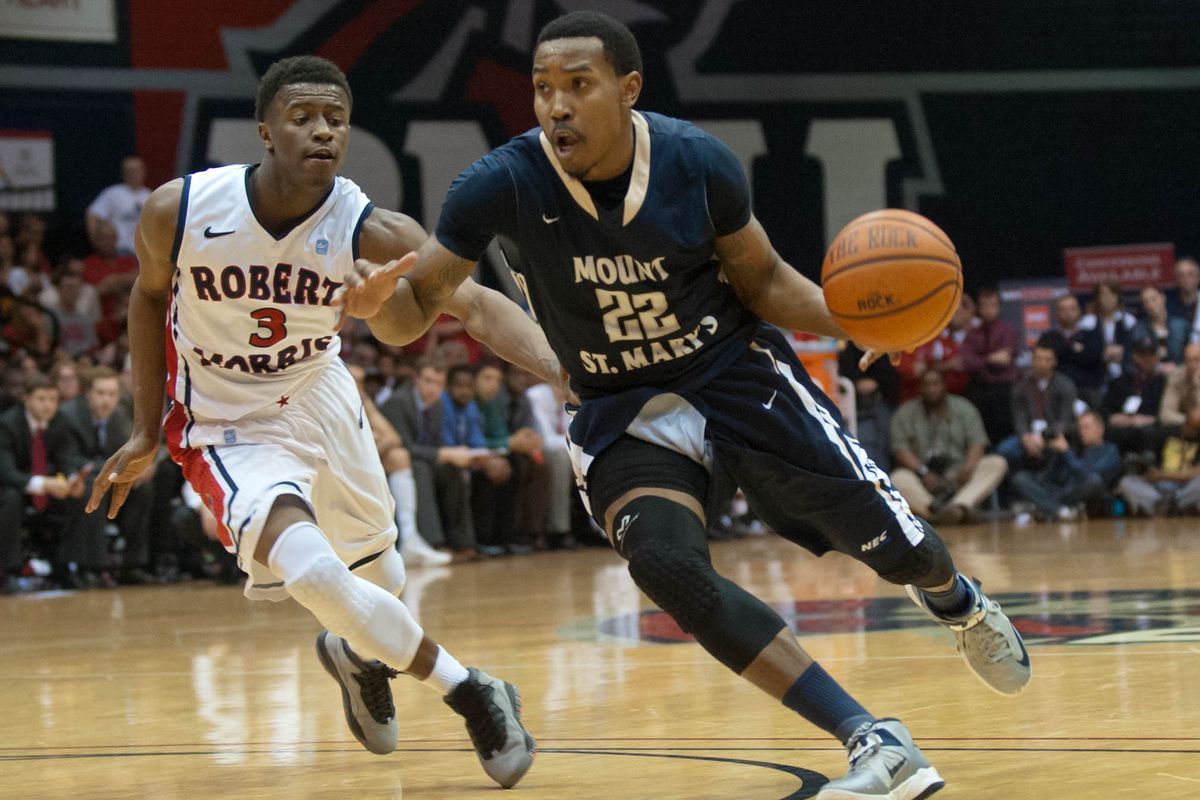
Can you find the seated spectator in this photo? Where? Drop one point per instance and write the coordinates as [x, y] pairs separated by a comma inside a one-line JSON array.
[[112, 274], [101, 426], [441, 473], [29, 243], [76, 319], [397, 466], [116, 210], [1079, 351], [508, 426], [989, 355], [942, 354], [1043, 406], [938, 444], [464, 428], [876, 393], [552, 422], [42, 479], [1170, 332], [1183, 388], [31, 329], [1182, 300], [1106, 314], [1071, 476], [1132, 401], [1173, 485], [65, 376]]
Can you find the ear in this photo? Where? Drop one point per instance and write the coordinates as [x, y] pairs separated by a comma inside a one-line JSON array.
[[264, 133], [631, 89]]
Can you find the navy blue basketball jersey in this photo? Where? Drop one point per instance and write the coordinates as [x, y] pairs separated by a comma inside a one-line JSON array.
[[632, 296]]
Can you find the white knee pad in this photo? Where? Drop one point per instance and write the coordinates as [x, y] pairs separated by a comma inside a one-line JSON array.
[[387, 572], [375, 623]]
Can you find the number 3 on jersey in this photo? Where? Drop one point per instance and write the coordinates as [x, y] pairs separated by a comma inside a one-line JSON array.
[[272, 327], [635, 316]]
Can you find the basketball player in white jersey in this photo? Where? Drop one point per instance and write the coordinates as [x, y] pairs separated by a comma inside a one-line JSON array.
[[231, 309]]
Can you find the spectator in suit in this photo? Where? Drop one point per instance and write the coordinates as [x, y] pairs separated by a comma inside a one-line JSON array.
[[989, 355], [939, 448], [1173, 485], [1182, 300], [441, 473], [1182, 389], [397, 465], [1079, 350], [1043, 406], [1072, 476], [1170, 332], [101, 426], [42, 479], [508, 425], [464, 428]]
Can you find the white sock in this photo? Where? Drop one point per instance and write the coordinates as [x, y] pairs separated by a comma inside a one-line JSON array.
[[375, 624], [447, 673], [404, 491]]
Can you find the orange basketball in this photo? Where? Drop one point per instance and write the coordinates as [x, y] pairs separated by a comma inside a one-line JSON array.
[[892, 280]]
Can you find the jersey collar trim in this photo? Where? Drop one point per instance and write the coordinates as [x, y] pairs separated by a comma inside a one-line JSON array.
[[639, 181]]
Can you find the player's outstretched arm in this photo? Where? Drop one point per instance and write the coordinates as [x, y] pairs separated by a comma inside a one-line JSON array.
[[403, 280], [774, 290], [154, 241], [499, 323]]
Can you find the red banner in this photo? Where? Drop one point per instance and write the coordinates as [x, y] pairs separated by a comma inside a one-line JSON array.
[[1131, 265]]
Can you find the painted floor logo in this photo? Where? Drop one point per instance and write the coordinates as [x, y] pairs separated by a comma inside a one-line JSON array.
[[1150, 616]]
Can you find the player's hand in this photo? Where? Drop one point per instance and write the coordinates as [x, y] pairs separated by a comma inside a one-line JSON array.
[[120, 471], [369, 285], [871, 356]]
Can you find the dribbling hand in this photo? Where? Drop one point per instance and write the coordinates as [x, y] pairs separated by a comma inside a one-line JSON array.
[[121, 470], [369, 285]]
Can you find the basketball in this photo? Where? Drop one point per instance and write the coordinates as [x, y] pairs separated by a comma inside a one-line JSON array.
[[892, 279]]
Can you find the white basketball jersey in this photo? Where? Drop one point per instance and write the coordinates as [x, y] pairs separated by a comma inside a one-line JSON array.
[[250, 322]]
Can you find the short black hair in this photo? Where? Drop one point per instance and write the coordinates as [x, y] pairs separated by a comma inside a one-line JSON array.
[[297, 69], [459, 369], [620, 48]]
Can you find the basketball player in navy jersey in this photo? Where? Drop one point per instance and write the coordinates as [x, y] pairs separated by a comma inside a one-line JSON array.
[[238, 267], [632, 236]]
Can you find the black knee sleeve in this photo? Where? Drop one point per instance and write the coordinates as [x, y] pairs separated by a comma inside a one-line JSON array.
[[927, 564], [668, 560]]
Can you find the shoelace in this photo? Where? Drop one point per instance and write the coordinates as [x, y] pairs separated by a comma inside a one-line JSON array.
[[485, 719], [865, 747], [376, 694], [996, 645]]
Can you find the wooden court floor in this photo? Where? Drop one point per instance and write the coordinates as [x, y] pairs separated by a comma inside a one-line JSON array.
[[193, 692]]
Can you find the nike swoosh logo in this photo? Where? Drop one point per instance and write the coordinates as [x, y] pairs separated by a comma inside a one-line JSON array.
[[549, 220], [209, 233], [767, 405]]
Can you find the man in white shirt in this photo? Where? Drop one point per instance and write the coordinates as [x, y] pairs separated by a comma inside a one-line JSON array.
[[120, 205]]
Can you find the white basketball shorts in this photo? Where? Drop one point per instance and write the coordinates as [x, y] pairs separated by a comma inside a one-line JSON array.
[[315, 444]]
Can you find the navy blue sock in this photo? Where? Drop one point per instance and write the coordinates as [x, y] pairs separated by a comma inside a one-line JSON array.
[[953, 603], [817, 697]]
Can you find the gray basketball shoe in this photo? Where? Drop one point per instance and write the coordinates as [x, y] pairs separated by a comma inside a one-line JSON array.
[[884, 765], [492, 710], [366, 694], [987, 640]]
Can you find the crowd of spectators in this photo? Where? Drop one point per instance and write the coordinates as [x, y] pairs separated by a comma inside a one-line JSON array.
[[1106, 418]]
